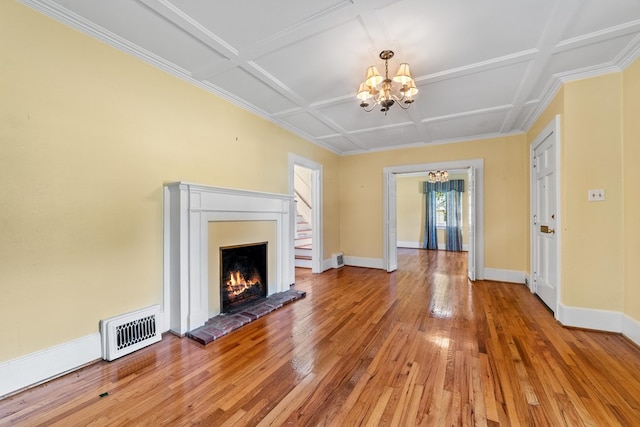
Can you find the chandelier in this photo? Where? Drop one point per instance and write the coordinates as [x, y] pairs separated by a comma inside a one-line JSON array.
[[381, 91], [438, 176]]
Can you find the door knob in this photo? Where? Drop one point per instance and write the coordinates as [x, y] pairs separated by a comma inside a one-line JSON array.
[[547, 229]]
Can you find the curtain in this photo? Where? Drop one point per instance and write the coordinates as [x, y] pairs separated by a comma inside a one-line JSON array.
[[453, 190], [430, 230], [454, 221]]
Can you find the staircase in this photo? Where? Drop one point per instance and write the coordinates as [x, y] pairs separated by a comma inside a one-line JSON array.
[[303, 243], [303, 237]]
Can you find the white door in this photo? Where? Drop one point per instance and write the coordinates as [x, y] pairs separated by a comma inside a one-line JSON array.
[[471, 255], [392, 224], [545, 217]]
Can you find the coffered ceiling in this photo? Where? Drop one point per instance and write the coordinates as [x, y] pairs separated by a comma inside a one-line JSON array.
[[483, 68]]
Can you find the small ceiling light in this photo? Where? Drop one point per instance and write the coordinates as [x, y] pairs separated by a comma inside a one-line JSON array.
[[381, 90], [438, 176]]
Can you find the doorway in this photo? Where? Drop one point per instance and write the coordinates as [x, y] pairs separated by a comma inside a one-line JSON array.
[[310, 172], [475, 169], [545, 215]]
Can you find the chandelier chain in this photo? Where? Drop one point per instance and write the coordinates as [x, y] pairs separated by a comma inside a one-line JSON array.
[[386, 69]]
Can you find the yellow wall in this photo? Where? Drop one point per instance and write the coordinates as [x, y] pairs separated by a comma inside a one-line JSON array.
[[410, 208], [89, 136], [591, 158], [631, 187], [506, 190], [592, 231]]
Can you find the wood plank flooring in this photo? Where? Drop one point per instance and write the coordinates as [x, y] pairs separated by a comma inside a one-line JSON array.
[[420, 346]]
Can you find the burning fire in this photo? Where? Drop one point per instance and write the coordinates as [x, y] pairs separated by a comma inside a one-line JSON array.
[[237, 283]]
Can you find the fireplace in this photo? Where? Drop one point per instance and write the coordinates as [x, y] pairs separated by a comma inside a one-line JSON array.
[[243, 275], [195, 220]]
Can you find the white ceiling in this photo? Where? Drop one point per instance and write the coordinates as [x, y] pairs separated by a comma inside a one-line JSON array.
[[483, 68]]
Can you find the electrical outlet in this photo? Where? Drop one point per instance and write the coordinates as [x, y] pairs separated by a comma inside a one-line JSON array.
[[596, 195]]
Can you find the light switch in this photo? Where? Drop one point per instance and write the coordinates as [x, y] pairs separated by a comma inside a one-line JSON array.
[[596, 195]]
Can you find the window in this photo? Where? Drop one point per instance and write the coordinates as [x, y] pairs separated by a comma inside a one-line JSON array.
[[441, 209]]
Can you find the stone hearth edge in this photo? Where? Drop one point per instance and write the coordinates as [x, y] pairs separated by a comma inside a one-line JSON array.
[[223, 324]]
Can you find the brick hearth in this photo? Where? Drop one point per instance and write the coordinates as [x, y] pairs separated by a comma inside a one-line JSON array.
[[223, 324]]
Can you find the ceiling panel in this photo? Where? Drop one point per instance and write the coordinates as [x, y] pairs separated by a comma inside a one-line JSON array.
[[323, 66], [464, 127], [310, 124], [242, 23], [247, 87], [439, 35], [390, 137], [471, 92], [350, 116], [598, 15], [341, 143], [145, 29]]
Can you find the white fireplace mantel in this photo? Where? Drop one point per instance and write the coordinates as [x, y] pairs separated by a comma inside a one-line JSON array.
[[188, 208]]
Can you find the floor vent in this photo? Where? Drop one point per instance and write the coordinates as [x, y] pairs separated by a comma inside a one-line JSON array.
[[338, 260], [129, 332]]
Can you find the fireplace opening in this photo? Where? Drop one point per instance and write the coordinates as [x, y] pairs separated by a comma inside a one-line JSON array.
[[243, 275]]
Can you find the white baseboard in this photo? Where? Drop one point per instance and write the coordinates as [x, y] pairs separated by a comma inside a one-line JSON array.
[[364, 262], [590, 318], [631, 329], [327, 264], [410, 245], [47, 364], [511, 276], [418, 245]]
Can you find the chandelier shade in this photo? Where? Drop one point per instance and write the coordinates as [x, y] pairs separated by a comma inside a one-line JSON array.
[[379, 90], [438, 176], [403, 76], [373, 77]]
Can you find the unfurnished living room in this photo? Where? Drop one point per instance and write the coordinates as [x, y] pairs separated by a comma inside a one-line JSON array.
[[336, 213]]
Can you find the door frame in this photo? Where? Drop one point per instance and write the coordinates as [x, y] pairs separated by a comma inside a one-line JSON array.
[[552, 128], [317, 261], [389, 209]]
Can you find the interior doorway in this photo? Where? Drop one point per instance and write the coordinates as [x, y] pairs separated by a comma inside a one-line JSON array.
[[303, 237], [305, 184], [475, 171]]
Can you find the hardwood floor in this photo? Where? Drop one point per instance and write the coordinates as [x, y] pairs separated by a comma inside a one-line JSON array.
[[418, 346]]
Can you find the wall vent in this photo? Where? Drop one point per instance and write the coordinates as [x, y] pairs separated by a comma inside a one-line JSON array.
[[338, 260], [129, 332]]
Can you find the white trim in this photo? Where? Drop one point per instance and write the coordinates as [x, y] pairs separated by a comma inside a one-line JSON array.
[[327, 264], [44, 365], [500, 275], [477, 165], [590, 318], [317, 243], [631, 329], [600, 320], [390, 220], [356, 261]]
